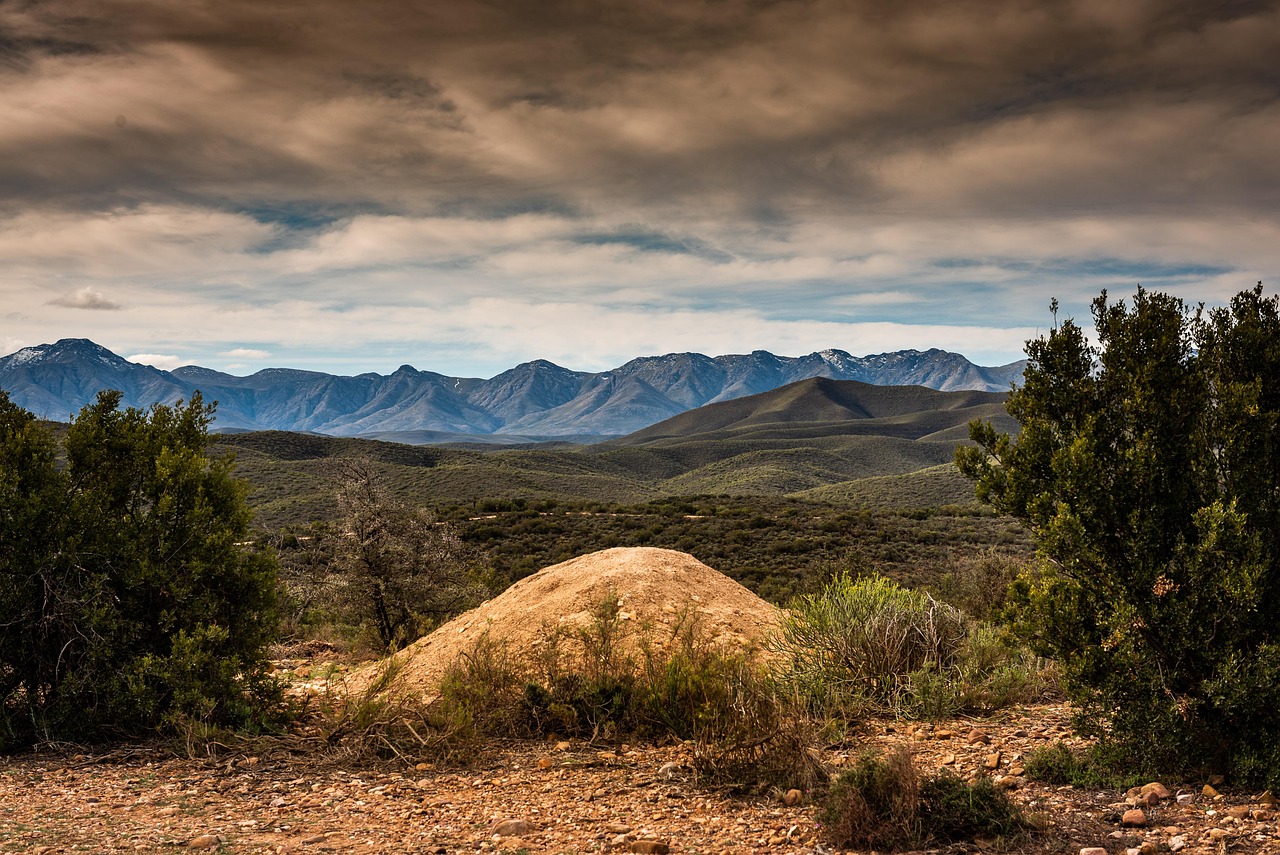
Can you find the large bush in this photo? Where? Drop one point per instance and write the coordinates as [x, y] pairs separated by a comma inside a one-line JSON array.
[[1148, 468], [126, 599]]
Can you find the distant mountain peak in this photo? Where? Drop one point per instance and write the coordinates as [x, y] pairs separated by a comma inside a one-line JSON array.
[[536, 398]]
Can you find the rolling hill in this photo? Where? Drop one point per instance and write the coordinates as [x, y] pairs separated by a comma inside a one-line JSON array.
[[813, 436]]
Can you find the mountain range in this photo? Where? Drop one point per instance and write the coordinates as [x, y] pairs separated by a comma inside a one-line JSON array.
[[534, 400]]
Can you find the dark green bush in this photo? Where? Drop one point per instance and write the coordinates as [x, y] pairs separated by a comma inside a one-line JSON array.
[[1146, 468], [129, 597]]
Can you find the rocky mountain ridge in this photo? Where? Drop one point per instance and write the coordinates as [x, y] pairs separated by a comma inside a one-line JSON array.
[[538, 398]]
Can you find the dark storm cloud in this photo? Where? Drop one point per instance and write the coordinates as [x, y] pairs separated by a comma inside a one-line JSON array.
[[754, 109]]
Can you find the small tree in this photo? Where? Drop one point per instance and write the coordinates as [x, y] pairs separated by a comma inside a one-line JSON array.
[[1148, 468], [406, 572], [126, 601]]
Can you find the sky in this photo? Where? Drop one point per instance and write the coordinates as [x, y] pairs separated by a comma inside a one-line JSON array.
[[465, 185]]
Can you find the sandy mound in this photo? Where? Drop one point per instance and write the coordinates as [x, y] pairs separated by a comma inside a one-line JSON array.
[[655, 589]]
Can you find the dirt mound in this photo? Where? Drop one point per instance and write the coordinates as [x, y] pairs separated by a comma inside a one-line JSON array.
[[655, 590]]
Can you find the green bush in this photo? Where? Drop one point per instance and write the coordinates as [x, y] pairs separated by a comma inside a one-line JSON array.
[[129, 599], [858, 640], [1146, 468]]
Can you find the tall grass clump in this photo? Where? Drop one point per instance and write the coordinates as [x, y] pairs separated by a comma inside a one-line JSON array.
[[863, 644]]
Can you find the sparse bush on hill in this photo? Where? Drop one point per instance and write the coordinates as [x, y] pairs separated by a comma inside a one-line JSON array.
[[1147, 468], [400, 570], [127, 601]]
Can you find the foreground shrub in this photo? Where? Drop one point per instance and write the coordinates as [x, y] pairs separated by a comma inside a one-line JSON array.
[[1146, 467], [882, 803], [126, 600]]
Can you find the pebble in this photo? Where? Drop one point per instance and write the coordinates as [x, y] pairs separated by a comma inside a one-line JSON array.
[[1208, 791], [978, 737], [993, 760], [1177, 843], [1093, 850], [650, 847]]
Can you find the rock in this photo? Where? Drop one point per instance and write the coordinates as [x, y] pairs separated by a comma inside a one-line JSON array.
[[1148, 847], [949, 760], [313, 840], [1216, 834], [545, 762], [1093, 850], [513, 843], [204, 841], [1216, 780], [1159, 789], [167, 811], [618, 828], [1266, 798], [1239, 811], [993, 760], [1151, 799], [1134, 818], [278, 802], [1177, 843], [650, 847], [978, 737], [1185, 799], [792, 797], [1208, 791], [563, 746], [510, 827]]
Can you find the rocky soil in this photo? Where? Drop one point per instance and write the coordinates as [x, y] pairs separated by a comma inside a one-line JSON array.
[[563, 797], [567, 797]]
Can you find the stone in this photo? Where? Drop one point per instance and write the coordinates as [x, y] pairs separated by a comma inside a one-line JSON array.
[[1266, 798], [1177, 843], [978, 737], [993, 760], [204, 841], [1216, 834], [1155, 788], [510, 827], [563, 746], [650, 847], [1151, 799], [1093, 850], [792, 797], [1185, 799], [949, 760], [545, 763], [1134, 818], [1208, 791], [167, 811], [1148, 847]]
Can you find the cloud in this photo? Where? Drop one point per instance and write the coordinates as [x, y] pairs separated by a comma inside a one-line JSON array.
[[163, 361], [848, 169], [245, 353], [86, 298]]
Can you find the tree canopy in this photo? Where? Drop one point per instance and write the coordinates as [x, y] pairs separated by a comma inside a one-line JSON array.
[[127, 599], [1148, 469]]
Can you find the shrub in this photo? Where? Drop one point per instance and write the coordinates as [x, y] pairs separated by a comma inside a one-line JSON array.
[[1146, 468], [881, 803], [129, 601]]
